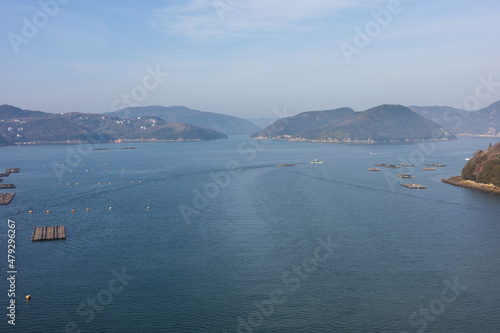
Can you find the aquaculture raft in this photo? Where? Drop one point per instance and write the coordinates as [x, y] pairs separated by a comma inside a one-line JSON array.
[[390, 166], [12, 170], [48, 233], [7, 186], [6, 198]]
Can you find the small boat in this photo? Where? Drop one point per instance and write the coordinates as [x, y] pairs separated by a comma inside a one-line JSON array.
[[467, 159], [317, 162]]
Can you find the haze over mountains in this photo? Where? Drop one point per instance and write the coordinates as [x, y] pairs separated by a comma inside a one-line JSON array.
[[379, 124], [464, 123], [383, 123], [218, 122], [18, 125]]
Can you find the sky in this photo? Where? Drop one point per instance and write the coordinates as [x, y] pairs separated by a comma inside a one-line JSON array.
[[247, 58]]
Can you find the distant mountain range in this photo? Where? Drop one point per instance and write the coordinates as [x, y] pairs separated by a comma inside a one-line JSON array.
[[485, 122], [218, 122], [18, 126], [380, 124], [383, 123]]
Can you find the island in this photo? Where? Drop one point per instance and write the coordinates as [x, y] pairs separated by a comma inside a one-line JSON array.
[[482, 172], [384, 123]]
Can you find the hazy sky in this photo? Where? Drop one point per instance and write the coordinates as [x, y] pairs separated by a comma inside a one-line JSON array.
[[246, 57]]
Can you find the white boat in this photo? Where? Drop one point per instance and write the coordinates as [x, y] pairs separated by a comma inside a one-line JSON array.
[[317, 162], [467, 159]]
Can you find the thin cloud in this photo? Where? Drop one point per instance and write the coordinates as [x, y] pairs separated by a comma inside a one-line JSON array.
[[202, 19]]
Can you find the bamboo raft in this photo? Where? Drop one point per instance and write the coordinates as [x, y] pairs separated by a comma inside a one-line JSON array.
[[6, 198], [406, 165], [285, 165], [437, 165], [374, 169], [414, 186], [12, 170], [7, 186], [428, 169], [48, 233]]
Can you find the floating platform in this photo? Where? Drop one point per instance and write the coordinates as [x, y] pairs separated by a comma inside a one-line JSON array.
[[7, 186], [285, 165], [390, 166], [6, 198], [414, 186], [437, 165], [12, 170], [428, 169], [48, 233], [4, 175], [374, 169], [406, 176], [406, 165]]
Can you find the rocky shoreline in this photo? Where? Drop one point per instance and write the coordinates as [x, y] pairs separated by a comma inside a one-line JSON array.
[[458, 181]]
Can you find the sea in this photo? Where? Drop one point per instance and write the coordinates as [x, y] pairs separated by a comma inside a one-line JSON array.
[[214, 237]]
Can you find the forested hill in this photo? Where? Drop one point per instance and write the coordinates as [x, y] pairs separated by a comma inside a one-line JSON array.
[[383, 123], [18, 126], [484, 167]]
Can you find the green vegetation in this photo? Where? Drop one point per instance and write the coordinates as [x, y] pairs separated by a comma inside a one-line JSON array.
[[18, 126], [174, 114], [484, 167], [380, 124]]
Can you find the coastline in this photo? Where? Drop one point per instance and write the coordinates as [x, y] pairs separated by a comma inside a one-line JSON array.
[[78, 142], [458, 181], [345, 141]]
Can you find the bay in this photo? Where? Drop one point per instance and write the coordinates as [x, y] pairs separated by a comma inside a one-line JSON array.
[[230, 241]]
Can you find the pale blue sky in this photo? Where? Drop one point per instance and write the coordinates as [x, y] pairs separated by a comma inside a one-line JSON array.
[[248, 56]]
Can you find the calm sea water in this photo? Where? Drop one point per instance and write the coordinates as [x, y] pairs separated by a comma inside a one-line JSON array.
[[231, 243]]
